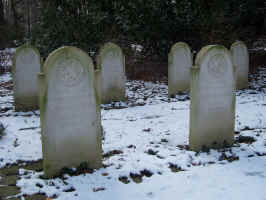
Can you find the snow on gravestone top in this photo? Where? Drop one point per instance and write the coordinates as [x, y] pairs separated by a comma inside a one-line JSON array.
[[70, 111], [25, 69], [241, 61], [179, 63], [212, 110], [111, 63]]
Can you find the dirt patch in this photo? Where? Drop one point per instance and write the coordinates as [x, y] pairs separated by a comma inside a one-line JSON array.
[[245, 139], [9, 177], [174, 168], [112, 153]]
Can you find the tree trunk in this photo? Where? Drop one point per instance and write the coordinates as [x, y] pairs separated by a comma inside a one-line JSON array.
[[2, 19]]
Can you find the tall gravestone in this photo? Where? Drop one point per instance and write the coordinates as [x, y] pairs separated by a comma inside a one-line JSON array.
[[70, 111], [97, 81], [212, 109], [241, 61], [25, 68], [111, 64], [179, 64]]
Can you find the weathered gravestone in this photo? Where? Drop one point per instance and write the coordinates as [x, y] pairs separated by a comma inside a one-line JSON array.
[[111, 64], [70, 111], [97, 82], [212, 109], [25, 68], [241, 61], [179, 63]]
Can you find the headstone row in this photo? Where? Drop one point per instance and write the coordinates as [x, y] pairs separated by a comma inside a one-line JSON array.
[[110, 72], [180, 60], [70, 92]]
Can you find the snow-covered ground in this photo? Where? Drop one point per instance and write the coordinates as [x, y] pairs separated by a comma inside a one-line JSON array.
[[146, 152]]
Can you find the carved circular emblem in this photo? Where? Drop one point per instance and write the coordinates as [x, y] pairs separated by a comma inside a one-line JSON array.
[[112, 53], [27, 57], [217, 66], [70, 72]]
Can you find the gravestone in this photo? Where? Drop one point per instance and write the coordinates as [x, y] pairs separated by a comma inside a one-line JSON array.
[[70, 111], [179, 63], [25, 68], [212, 109], [97, 82], [111, 64], [241, 61]]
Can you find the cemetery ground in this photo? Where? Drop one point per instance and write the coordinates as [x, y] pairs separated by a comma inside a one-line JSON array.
[[145, 150]]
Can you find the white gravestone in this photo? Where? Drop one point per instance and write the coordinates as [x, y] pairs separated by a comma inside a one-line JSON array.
[[212, 109], [111, 64], [70, 111], [241, 61], [97, 82], [179, 64], [25, 69]]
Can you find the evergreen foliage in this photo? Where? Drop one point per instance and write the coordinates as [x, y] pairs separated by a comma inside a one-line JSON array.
[[154, 24]]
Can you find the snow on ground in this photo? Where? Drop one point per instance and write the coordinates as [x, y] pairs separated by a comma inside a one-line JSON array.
[[144, 144], [6, 57]]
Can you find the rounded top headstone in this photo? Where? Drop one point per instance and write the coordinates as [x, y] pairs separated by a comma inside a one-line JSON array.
[[74, 56], [176, 46], [214, 50], [238, 43], [179, 45], [26, 59], [108, 48]]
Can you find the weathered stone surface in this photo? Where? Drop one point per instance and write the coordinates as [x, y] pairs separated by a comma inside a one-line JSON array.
[[179, 63], [111, 63], [70, 111], [97, 81], [25, 69], [212, 109], [241, 62]]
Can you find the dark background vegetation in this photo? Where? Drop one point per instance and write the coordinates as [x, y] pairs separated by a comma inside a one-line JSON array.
[[154, 24]]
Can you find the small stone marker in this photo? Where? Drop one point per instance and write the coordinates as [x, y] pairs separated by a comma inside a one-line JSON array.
[[70, 111], [212, 109], [111, 63], [179, 63], [25, 68], [241, 61]]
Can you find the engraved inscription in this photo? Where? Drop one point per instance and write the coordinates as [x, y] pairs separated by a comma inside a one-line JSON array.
[[70, 72], [112, 54], [217, 66], [241, 58], [27, 57]]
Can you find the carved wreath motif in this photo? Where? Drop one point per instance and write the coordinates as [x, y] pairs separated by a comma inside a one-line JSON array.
[[217, 66], [70, 71]]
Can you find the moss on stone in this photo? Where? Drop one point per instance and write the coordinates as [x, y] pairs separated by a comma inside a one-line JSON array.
[[105, 49], [52, 169], [173, 49], [183, 86], [30, 102], [207, 49], [113, 93], [217, 139], [241, 81]]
